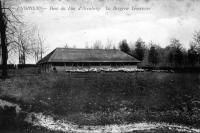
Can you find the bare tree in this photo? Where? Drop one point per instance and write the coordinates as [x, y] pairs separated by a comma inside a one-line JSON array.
[[97, 45], [196, 44], [8, 22], [66, 46], [28, 43], [196, 40], [87, 45], [74, 46], [109, 44], [113, 47], [24, 38], [39, 49]]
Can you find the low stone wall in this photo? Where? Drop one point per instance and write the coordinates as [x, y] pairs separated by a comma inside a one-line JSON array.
[[128, 68]]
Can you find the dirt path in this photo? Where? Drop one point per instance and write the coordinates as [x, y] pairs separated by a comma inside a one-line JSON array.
[[40, 120]]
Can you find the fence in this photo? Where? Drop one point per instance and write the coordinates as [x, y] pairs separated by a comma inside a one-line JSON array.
[[175, 69], [19, 66]]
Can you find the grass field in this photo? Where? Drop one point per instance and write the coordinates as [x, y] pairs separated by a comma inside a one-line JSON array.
[[109, 98]]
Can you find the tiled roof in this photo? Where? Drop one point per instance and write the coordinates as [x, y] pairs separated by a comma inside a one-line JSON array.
[[87, 55]]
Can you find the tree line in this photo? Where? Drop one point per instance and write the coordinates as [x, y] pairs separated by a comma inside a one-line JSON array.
[[153, 55], [173, 55]]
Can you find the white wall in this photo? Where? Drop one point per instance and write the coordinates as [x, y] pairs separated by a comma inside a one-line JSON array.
[[49, 68]]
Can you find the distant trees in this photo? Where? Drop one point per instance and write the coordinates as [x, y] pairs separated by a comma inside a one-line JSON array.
[[192, 55], [123, 46], [97, 45], [153, 56], [175, 56], [29, 44], [87, 45], [109, 44], [196, 44], [196, 40], [24, 46], [139, 51], [69, 46], [38, 46], [66, 46], [114, 47], [40, 49]]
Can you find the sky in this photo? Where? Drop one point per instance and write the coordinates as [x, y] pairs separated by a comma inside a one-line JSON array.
[[85, 21]]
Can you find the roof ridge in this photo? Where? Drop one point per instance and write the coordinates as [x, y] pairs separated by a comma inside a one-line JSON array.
[[86, 49]]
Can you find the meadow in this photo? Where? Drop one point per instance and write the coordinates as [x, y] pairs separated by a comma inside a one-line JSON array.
[[108, 97]]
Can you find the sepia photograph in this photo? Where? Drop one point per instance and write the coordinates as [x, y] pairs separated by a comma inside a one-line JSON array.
[[99, 66]]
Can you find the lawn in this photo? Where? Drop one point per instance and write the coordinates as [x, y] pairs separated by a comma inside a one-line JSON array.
[[109, 98]]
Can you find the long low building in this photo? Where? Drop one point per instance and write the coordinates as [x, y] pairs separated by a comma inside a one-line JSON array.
[[66, 59]]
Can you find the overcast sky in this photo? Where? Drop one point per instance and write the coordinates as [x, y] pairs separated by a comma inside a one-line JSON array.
[[158, 22]]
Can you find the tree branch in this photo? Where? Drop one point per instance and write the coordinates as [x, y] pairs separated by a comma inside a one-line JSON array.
[[13, 15]]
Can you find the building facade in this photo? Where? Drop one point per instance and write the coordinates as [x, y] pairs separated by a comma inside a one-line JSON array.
[[68, 59]]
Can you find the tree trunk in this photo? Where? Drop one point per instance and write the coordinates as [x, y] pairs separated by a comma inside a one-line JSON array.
[[4, 54], [3, 43]]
